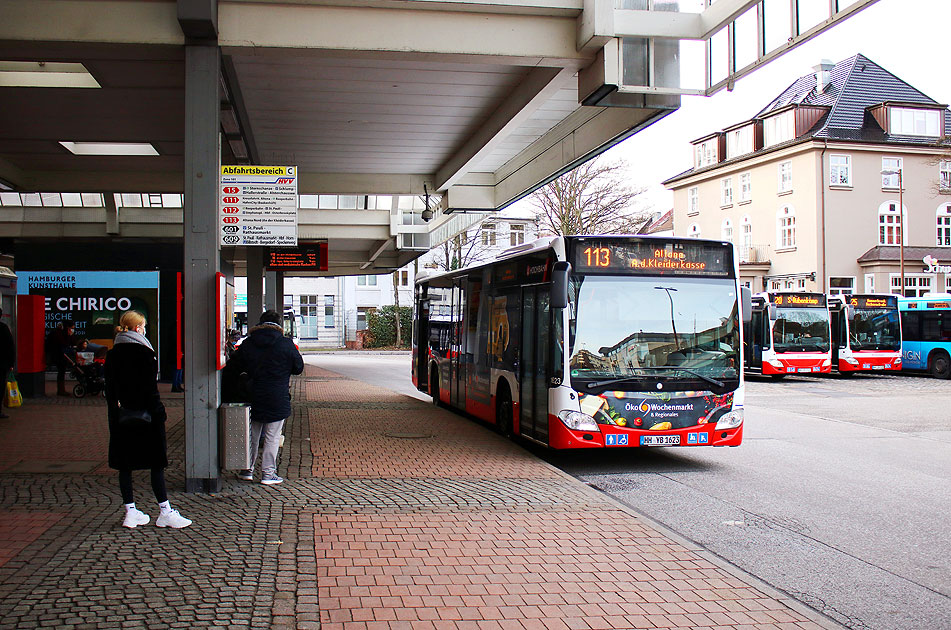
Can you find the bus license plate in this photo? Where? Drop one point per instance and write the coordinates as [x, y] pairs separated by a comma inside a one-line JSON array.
[[660, 440], [804, 370]]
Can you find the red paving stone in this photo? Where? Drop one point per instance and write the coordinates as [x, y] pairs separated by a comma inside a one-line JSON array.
[[20, 528], [368, 563]]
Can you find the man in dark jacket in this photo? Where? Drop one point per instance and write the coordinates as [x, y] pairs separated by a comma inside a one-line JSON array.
[[7, 354], [269, 358]]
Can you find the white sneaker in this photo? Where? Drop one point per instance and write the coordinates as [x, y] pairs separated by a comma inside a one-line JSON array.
[[134, 518], [172, 519], [272, 480]]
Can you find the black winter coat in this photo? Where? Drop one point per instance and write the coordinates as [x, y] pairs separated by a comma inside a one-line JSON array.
[[269, 358], [130, 373]]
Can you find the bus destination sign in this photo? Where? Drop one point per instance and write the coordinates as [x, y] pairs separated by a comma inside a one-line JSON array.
[[791, 300], [306, 258], [867, 301], [652, 257]]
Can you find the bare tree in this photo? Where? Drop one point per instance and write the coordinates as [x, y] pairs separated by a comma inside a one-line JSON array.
[[594, 198], [461, 250]]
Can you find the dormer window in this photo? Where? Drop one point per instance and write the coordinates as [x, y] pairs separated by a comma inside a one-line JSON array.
[[907, 121], [739, 141], [705, 153], [779, 128]]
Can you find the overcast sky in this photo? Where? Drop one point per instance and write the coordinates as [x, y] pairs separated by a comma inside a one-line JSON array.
[[905, 37]]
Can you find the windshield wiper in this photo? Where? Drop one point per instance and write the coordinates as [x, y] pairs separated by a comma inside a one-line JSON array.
[[613, 381], [702, 377]]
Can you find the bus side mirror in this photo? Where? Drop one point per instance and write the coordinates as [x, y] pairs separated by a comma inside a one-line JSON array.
[[772, 312], [559, 284], [746, 304], [850, 311]]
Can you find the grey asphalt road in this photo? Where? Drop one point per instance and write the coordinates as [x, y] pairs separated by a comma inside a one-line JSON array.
[[839, 496]]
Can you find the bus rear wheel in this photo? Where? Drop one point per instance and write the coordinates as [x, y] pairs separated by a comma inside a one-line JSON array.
[[939, 364], [503, 412]]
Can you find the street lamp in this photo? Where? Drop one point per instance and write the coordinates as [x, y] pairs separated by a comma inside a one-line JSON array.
[[901, 230], [673, 326]]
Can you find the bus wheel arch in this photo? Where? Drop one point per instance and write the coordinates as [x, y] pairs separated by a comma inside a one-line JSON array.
[[939, 364], [504, 409]]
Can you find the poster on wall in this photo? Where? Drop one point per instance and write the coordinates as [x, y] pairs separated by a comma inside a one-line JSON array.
[[95, 300]]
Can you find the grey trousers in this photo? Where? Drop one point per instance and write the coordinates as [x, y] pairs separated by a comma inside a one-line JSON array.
[[272, 442]]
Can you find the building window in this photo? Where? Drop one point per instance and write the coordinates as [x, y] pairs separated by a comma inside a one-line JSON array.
[[726, 191], [840, 170], [944, 225], [785, 176], [838, 286], [747, 245], [694, 230], [889, 224], [362, 317], [904, 121], [309, 314], [726, 230], [516, 234], [916, 285], [944, 175], [366, 281], [746, 187], [801, 284], [401, 277], [892, 165], [774, 285], [488, 233], [693, 200], [870, 283], [705, 154], [786, 226], [779, 128], [739, 142], [328, 311]]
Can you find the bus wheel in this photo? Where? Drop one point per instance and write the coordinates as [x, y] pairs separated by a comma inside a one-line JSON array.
[[776, 377], [939, 364], [434, 386], [503, 412]]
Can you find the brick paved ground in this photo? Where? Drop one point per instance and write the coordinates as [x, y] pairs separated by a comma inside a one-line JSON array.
[[395, 515]]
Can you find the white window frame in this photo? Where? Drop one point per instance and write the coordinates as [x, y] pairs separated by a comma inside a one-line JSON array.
[[746, 187], [889, 163], [784, 182], [705, 153], [840, 170], [913, 280], [786, 228], [842, 290], [944, 175], [739, 142], [489, 238], [890, 227], [516, 234], [779, 128], [870, 283], [943, 225], [366, 281], [329, 311], [910, 121], [747, 238], [726, 230], [693, 200], [693, 231], [726, 191]]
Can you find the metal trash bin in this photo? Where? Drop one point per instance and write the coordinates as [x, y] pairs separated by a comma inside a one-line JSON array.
[[234, 436]]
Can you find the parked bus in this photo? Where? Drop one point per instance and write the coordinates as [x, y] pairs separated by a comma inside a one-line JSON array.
[[866, 333], [589, 341], [788, 333], [926, 333]]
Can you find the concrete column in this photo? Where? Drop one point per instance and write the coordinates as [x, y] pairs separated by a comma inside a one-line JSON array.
[[202, 261], [255, 284], [272, 301]]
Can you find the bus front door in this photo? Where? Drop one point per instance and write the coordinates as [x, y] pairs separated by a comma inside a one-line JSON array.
[[457, 378], [533, 365]]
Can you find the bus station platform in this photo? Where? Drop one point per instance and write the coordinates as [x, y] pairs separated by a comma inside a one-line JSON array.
[[394, 515]]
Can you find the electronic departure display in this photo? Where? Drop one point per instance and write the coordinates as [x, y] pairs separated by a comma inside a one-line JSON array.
[[653, 257], [797, 300], [867, 301], [305, 258]]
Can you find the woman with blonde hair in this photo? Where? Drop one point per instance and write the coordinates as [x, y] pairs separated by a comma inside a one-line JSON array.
[[131, 372]]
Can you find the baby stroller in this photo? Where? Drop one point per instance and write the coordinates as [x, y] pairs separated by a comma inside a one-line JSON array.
[[89, 380]]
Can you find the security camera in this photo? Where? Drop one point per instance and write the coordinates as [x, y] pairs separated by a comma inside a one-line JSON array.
[[427, 215]]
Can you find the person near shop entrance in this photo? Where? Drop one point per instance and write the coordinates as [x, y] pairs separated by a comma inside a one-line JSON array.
[[269, 358], [131, 382], [7, 354], [59, 345]]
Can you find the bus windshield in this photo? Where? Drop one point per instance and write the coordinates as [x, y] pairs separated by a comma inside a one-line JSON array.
[[874, 329], [672, 328], [801, 330]]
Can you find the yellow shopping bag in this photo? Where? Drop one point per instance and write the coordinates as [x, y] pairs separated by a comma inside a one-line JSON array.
[[13, 397]]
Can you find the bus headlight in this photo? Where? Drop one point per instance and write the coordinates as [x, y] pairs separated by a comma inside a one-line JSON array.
[[851, 361], [730, 420], [776, 363], [577, 421], [897, 361]]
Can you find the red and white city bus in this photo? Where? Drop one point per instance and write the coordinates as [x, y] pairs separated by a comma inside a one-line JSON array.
[[589, 341], [866, 333], [789, 333]]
